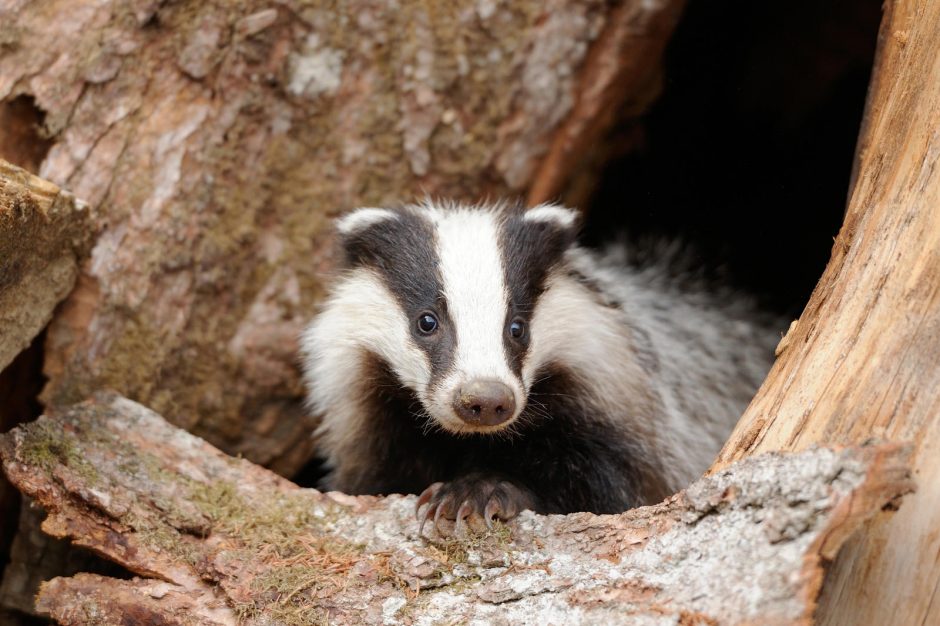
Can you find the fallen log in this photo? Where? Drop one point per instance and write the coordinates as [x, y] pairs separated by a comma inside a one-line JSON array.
[[45, 234], [217, 540]]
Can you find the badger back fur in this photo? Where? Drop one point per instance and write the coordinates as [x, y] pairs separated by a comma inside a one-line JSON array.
[[604, 386]]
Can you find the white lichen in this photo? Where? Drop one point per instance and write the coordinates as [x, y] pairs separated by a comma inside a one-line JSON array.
[[316, 70]]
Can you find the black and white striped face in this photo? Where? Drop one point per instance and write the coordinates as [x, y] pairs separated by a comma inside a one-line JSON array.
[[445, 295]]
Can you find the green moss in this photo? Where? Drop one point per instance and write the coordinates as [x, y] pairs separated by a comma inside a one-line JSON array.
[[281, 534], [454, 550], [168, 539], [45, 446], [219, 501]]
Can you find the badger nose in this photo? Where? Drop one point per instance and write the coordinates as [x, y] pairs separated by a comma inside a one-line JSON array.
[[487, 402]]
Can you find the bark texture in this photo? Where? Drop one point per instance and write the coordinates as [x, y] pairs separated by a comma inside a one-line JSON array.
[[863, 360], [217, 540], [44, 235], [217, 138]]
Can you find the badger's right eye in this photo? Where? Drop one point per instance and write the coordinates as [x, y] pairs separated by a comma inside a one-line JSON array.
[[427, 323]]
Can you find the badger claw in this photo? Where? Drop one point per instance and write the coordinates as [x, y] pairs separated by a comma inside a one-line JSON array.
[[465, 510], [491, 511], [479, 496], [425, 498], [442, 506]]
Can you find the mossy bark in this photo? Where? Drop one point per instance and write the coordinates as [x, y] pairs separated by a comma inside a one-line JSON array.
[[45, 233], [217, 540]]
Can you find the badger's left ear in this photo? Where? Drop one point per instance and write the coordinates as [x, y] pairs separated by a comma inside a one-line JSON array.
[[558, 216], [535, 240], [555, 223]]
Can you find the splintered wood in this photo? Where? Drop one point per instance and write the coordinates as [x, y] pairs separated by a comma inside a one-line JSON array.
[[216, 540], [864, 359]]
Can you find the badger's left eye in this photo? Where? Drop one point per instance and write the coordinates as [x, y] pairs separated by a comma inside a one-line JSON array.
[[427, 323], [517, 329]]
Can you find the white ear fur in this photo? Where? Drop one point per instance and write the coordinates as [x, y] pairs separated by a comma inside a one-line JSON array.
[[552, 213], [362, 218]]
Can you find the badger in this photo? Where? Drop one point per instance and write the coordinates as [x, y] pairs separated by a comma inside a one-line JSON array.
[[479, 357]]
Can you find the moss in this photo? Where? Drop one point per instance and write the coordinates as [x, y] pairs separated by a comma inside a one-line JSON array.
[[45, 446], [282, 536], [220, 502], [454, 551], [286, 587], [167, 539]]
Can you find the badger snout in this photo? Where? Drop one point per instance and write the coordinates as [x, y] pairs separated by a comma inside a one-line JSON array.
[[484, 402]]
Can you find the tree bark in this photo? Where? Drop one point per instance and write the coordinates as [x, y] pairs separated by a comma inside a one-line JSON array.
[[864, 358], [44, 235], [217, 540], [218, 138]]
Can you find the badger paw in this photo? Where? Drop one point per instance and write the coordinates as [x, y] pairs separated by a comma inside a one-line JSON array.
[[471, 500]]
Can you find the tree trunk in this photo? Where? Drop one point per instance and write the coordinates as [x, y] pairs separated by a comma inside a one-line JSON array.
[[863, 361], [218, 138], [217, 540]]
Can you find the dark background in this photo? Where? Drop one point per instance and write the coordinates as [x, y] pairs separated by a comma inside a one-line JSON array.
[[747, 153]]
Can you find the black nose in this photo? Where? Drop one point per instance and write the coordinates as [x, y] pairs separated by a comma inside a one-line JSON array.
[[487, 402]]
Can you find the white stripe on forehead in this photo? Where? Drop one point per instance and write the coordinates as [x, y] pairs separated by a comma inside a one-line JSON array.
[[475, 289]]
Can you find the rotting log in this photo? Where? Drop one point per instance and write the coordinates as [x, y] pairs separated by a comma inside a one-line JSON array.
[[218, 540], [45, 233], [218, 138], [863, 360]]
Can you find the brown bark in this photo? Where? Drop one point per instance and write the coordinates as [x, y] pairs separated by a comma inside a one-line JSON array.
[[217, 540], [44, 234], [217, 138], [863, 360]]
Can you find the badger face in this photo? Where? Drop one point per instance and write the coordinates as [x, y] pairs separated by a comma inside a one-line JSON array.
[[445, 296]]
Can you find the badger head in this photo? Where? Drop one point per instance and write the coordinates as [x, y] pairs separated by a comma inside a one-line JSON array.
[[445, 296]]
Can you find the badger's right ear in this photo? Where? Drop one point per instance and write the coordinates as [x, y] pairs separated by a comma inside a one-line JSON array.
[[360, 219], [361, 233], [558, 216]]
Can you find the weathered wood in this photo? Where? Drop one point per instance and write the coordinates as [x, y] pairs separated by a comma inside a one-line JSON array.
[[218, 138], [217, 540], [44, 234], [864, 359]]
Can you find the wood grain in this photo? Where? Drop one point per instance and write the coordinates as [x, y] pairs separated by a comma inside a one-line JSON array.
[[864, 359]]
